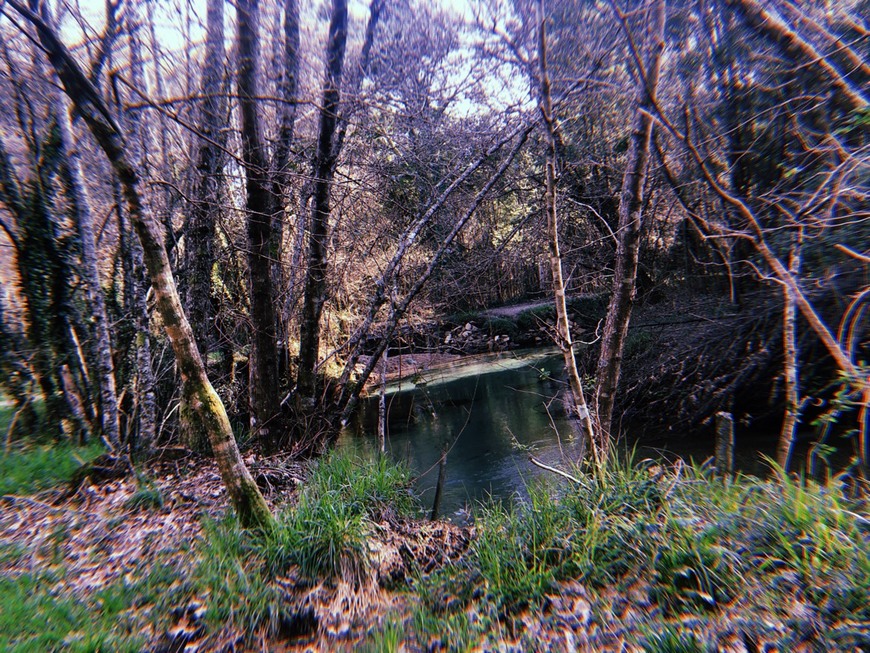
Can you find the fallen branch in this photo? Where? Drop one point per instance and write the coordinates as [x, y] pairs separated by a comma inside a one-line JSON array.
[[554, 470]]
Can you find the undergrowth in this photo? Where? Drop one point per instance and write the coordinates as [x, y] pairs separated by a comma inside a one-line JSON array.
[[324, 537], [663, 558], [698, 545], [38, 614], [31, 467]]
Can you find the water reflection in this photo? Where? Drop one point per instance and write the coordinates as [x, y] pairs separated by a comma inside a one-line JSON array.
[[492, 411], [490, 415]]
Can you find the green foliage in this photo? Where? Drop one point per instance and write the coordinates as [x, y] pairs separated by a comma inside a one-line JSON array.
[[522, 550], [695, 543], [370, 485], [500, 326], [386, 639], [637, 342], [447, 615], [692, 571], [32, 467], [230, 573], [590, 307], [325, 537], [462, 317], [147, 497]]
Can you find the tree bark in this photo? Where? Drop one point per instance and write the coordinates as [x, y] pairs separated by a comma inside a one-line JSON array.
[[200, 233], [260, 209], [282, 189], [90, 273], [324, 169], [563, 332], [631, 203], [244, 494], [136, 277], [791, 380]]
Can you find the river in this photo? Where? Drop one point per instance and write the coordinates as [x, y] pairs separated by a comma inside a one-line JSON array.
[[491, 412]]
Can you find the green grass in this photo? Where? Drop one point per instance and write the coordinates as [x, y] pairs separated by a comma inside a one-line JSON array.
[[325, 536], [696, 544], [522, 550], [34, 617], [672, 639], [147, 497], [533, 318], [690, 547], [31, 467]]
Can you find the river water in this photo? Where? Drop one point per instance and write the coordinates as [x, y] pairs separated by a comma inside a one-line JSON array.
[[491, 412]]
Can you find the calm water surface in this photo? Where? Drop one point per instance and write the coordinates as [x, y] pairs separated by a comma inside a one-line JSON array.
[[491, 412]]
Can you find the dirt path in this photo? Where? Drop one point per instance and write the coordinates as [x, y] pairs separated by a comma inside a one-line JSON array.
[[515, 309]]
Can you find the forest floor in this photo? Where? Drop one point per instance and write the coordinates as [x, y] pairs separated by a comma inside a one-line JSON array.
[[647, 559]]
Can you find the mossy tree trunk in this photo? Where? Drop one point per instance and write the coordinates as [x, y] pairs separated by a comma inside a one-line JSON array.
[[205, 403], [200, 232]]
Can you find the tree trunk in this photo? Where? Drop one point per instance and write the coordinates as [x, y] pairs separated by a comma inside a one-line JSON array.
[[136, 281], [288, 89], [791, 380], [324, 169], [200, 232], [630, 209], [260, 209], [563, 332], [90, 273], [243, 491]]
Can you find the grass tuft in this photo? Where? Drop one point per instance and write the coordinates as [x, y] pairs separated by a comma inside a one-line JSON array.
[[325, 537]]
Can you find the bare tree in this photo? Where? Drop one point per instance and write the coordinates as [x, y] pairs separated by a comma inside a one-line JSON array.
[[324, 169], [631, 203], [579, 407], [260, 208], [243, 491]]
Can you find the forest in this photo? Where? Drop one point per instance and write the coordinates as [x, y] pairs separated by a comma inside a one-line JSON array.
[[249, 249]]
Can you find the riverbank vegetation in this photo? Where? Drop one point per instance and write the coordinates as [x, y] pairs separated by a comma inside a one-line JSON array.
[[645, 556], [224, 224]]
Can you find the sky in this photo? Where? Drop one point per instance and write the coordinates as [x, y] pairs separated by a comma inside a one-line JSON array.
[[170, 26]]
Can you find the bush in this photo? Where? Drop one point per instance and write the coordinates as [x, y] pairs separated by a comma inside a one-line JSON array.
[[499, 326]]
